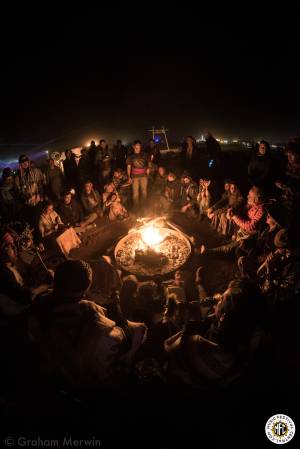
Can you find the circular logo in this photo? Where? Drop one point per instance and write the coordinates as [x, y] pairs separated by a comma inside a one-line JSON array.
[[280, 429]]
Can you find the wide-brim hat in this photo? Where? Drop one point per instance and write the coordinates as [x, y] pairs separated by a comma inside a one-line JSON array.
[[7, 173], [277, 213], [23, 158]]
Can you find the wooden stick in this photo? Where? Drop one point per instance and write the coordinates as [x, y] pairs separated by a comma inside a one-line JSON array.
[[41, 260]]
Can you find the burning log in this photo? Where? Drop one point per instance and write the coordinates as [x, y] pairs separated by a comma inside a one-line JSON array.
[[150, 257]]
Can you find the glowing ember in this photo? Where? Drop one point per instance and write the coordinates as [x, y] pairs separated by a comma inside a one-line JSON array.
[[152, 236]]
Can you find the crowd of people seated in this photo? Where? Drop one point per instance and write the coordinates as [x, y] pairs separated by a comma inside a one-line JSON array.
[[88, 323]]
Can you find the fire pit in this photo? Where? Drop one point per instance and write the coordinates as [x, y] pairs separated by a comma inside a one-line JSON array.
[[155, 247]]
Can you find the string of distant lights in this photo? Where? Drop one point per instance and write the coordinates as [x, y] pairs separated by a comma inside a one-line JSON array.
[[156, 133]]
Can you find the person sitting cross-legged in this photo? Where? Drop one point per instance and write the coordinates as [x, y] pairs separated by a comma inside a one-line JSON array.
[[91, 200], [71, 214], [170, 198], [112, 204], [248, 221], [226, 226], [49, 221], [249, 261], [280, 272], [123, 185], [16, 290], [188, 196], [215, 211]]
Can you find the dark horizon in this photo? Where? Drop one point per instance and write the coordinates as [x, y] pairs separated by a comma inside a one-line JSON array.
[[126, 73]]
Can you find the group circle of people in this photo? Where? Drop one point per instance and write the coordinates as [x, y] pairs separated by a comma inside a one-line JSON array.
[[111, 325]]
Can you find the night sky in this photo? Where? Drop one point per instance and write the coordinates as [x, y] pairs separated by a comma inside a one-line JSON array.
[[124, 71]]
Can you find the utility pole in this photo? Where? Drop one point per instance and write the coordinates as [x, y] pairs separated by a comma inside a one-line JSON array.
[[162, 131]]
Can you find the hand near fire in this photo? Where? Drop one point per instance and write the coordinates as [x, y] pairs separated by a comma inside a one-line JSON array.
[[210, 213], [266, 264], [205, 183], [51, 273]]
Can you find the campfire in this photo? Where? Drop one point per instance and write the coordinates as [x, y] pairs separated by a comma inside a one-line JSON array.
[[154, 246], [148, 246], [152, 236]]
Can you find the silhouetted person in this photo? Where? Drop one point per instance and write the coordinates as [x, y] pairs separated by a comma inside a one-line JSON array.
[[10, 204], [293, 164], [92, 152], [119, 155], [70, 169], [213, 147], [153, 152], [29, 182], [105, 164], [54, 180], [260, 166], [84, 166], [190, 155]]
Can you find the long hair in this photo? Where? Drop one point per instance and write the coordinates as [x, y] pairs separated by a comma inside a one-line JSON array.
[[185, 145], [259, 194], [46, 205], [256, 150]]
